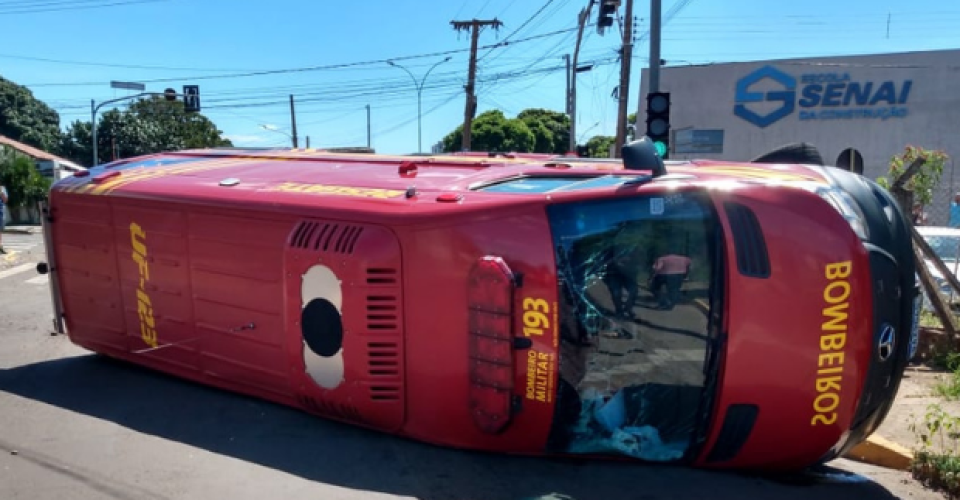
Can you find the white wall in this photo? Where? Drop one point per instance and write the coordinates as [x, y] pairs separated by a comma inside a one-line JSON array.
[[703, 97]]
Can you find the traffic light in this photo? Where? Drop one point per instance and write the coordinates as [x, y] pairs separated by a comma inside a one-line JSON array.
[[607, 11], [658, 121]]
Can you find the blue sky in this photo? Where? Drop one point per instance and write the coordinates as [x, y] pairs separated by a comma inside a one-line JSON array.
[[331, 55]]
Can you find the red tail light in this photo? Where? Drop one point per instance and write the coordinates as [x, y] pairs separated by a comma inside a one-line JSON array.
[[490, 300]]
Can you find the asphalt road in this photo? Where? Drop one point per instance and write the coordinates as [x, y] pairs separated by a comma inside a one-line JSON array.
[[75, 425]]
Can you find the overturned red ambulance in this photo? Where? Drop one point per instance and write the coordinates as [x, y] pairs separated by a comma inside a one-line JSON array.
[[715, 314]]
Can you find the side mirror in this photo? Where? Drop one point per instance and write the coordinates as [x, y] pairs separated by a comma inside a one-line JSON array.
[[642, 155]]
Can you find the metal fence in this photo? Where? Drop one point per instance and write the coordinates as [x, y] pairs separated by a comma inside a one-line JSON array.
[[937, 213]]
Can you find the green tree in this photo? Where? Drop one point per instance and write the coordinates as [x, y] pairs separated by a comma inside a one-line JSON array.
[[923, 183], [551, 130], [75, 143], [599, 146], [23, 181], [26, 119], [147, 126], [492, 131]]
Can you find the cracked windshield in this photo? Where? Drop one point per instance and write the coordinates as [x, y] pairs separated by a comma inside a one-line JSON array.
[[635, 277]]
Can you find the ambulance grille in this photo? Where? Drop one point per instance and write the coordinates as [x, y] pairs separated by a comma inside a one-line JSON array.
[[751, 249], [319, 236]]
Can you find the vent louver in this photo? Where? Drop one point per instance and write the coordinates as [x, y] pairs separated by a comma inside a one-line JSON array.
[[323, 237], [752, 258], [382, 313], [383, 368]]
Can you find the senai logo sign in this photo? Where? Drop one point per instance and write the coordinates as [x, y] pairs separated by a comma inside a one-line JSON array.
[[822, 96]]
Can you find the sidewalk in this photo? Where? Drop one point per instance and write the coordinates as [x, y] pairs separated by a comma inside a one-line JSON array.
[[892, 445]]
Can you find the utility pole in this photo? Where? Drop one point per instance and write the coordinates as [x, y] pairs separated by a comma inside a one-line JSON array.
[[368, 125], [584, 15], [308, 142], [471, 106], [293, 121], [566, 108], [625, 56]]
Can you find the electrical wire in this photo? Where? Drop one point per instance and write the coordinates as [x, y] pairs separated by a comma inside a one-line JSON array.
[[109, 65], [69, 6], [300, 69]]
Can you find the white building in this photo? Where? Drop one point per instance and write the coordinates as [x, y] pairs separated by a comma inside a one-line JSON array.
[[859, 111]]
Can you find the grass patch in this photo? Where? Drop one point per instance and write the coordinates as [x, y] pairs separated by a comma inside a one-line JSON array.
[[949, 386], [929, 319], [936, 463]]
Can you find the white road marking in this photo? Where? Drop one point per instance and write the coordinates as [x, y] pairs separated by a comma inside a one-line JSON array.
[[43, 279], [17, 270], [19, 243]]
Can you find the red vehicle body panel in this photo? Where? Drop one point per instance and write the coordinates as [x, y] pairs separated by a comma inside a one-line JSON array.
[[178, 268]]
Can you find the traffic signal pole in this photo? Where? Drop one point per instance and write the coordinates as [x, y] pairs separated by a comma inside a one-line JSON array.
[[654, 47]]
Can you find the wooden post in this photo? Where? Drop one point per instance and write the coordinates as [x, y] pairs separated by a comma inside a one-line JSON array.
[[940, 306], [905, 199]]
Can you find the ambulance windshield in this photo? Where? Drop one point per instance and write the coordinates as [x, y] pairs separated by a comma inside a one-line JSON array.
[[638, 280]]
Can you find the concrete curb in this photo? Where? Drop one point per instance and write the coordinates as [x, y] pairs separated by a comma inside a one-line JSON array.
[[882, 452]]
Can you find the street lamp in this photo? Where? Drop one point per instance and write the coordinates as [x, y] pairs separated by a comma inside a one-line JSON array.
[[94, 108], [274, 128], [419, 86], [168, 94]]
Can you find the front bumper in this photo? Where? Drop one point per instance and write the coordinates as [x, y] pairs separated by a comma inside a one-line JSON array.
[[895, 303]]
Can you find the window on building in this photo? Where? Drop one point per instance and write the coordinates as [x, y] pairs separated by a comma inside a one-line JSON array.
[[850, 159]]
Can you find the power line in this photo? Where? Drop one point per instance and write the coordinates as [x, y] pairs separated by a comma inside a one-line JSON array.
[[303, 69], [506, 41], [109, 65], [525, 23], [465, 2], [69, 5], [338, 96]]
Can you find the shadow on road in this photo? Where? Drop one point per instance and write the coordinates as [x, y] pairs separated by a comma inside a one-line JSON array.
[[296, 443]]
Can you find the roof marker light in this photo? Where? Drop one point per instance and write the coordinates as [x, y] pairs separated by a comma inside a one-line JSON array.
[[449, 197], [407, 169], [101, 178]]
